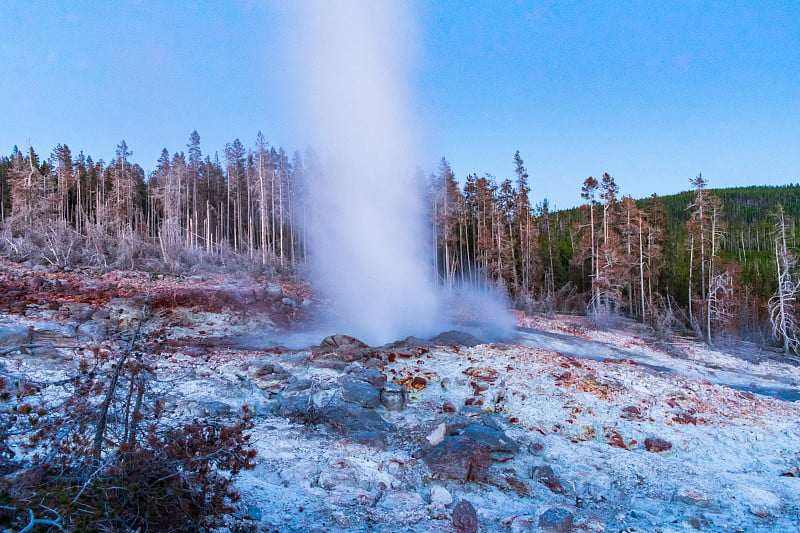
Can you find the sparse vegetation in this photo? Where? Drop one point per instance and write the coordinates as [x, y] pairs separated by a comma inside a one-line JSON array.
[[101, 454]]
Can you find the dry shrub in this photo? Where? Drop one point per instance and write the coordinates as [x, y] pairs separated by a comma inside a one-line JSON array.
[[99, 454]]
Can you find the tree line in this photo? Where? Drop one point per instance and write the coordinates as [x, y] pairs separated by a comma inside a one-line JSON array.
[[247, 203], [718, 263]]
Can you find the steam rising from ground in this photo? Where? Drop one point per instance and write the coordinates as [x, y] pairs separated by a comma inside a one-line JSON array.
[[370, 246]]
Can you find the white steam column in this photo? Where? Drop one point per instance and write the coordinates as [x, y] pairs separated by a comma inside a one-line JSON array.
[[368, 242]]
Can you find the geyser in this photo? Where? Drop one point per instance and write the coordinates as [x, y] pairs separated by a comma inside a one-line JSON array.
[[369, 243]]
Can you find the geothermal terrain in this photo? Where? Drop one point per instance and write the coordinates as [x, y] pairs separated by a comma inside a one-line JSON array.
[[563, 428]]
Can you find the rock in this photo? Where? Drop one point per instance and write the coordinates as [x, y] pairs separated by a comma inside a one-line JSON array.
[[456, 424], [215, 409], [393, 397], [484, 373], [267, 371], [459, 458], [657, 445], [684, 417], [448, 407], [544, 474], [14, 335], [536, 447], [347, 348], [274, 291], [53, 333], [493, 421], [373, 439], [458, 338], [556, 520], [402, 500], [696, 497], [333, 342], [496, 440], [410, 342], [441, 495], [437, 435], [372, 376], [299, 385], [762, 503], [631, 412], [339, 366], [101, 314], [361, 393], [465, 519], [267, 375], [336, 477], [299, 407], [289, 302], [351, 419], [523, 524]]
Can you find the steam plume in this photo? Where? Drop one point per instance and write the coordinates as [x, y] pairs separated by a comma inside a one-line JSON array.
[[367, 237]]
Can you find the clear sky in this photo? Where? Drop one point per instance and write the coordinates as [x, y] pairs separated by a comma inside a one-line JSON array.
[[651, 92]]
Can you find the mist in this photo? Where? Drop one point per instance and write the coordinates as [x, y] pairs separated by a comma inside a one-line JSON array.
[[370, 244]]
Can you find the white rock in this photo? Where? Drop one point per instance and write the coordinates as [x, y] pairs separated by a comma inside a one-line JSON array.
[[402, 500], [437, 435], [441, 495]]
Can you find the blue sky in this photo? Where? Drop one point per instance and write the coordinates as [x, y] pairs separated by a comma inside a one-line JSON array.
[[651, 92]]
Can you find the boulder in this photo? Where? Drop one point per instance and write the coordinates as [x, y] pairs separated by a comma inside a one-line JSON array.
[[373, 439], [457, 338], [497, 441], [361, 393], [459, 458], [351, 419], [374, 377], [631, 412], [441, 495], [347, 348], [14, 335], [408, 501], [298, 385], [274, 291], [657, 445], [556, 520], [267, 375], [393, 397], [465, 519], [300, 407], [215, 409], [544, 474]]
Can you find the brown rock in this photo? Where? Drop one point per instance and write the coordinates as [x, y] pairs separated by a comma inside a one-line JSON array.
[[484, 373], [631, 412], [544, 474], [459, 458], [682, 417], [657, 445], [556, 520], [418, 383], [465, 519]]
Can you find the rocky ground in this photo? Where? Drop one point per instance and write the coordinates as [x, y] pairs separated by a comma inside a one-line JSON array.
[[438, 435]]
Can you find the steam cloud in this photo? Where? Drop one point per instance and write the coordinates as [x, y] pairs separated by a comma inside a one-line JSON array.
[[368, 237]]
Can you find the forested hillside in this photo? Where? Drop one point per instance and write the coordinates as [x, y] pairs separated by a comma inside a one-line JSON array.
[[706, 260]]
